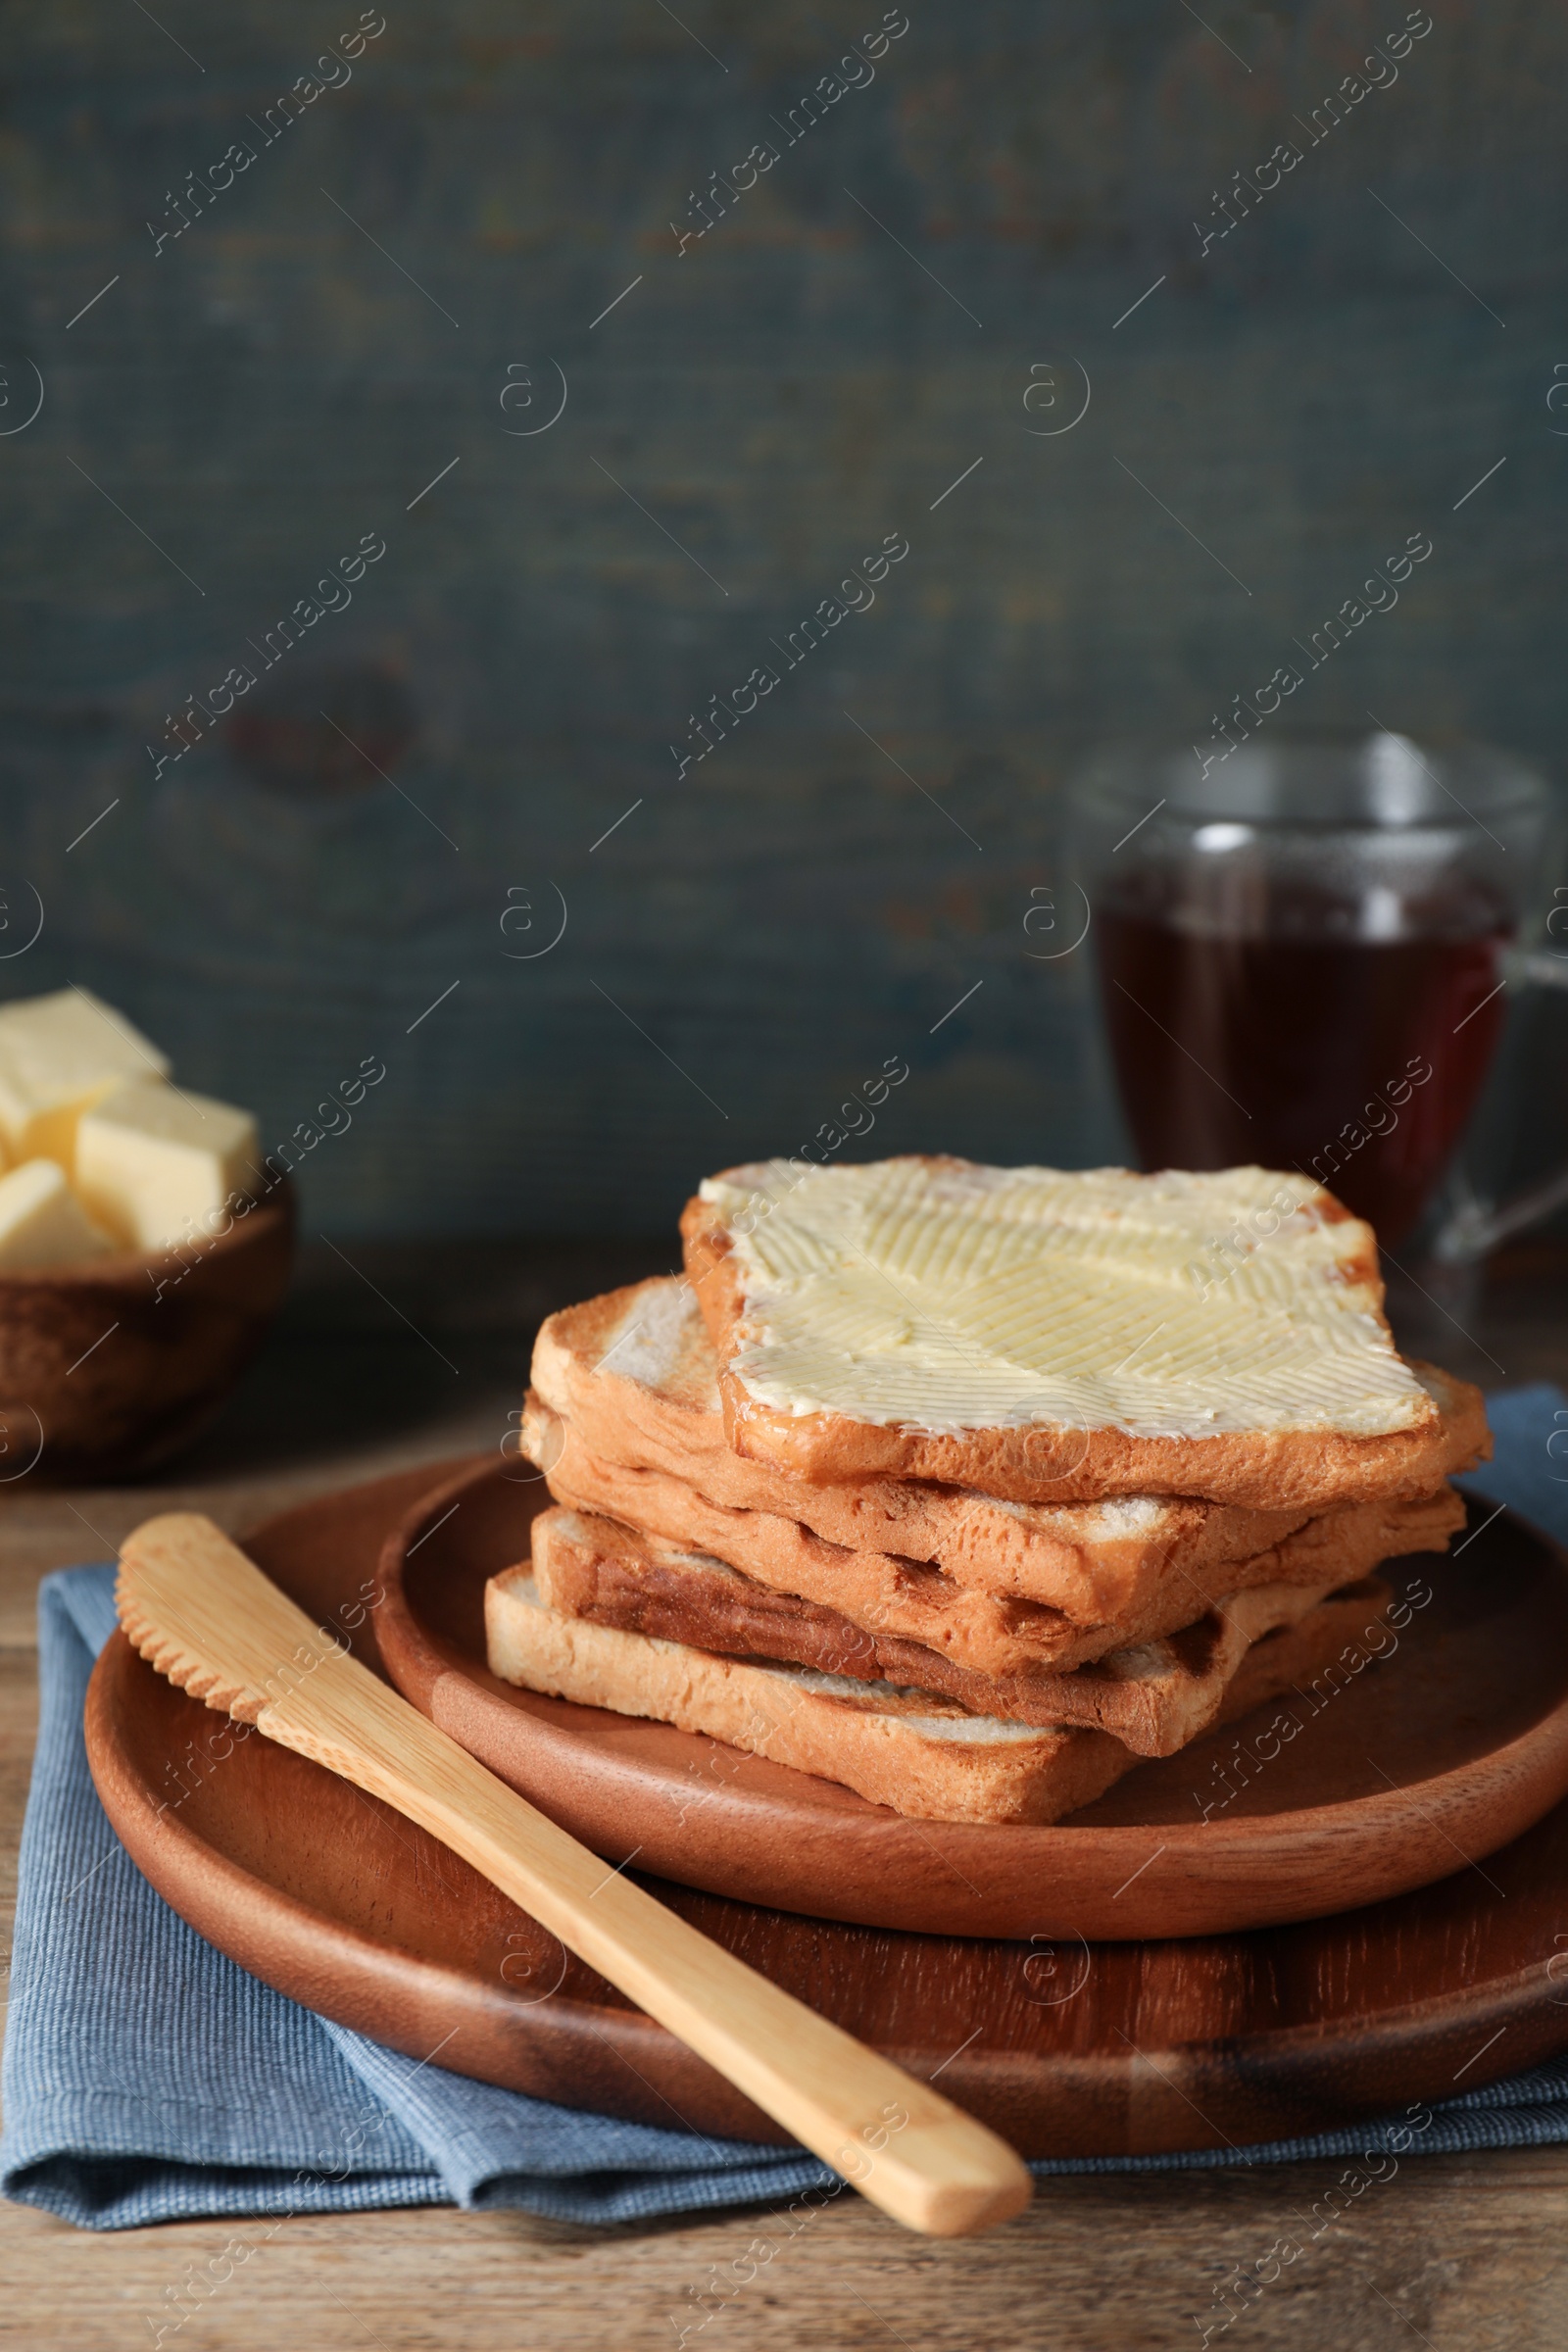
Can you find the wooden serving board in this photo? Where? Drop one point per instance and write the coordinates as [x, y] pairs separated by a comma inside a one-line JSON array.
[[1068, 2047], [1370, 1783]]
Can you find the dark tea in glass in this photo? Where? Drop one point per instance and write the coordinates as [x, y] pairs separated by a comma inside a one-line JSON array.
[[1303, 954]]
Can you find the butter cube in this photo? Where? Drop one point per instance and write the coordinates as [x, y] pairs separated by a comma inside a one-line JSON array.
[[157, 1165], [43, 1223], [59, 1054]]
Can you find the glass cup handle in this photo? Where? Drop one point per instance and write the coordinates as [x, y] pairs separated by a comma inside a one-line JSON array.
[[1476, 1227]]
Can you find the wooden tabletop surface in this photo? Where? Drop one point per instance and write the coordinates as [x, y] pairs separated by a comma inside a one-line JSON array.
[[419, 1354]]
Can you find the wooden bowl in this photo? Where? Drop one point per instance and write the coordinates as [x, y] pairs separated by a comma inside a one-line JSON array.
[[108, 1368]]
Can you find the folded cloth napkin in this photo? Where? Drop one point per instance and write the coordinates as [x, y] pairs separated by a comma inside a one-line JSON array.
[[149, 2079]]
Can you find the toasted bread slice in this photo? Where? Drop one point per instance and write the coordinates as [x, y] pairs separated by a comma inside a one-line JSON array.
[[1153, 1696], [922, 1755], [1043, 1336], [634, 1427], [982, 1631]]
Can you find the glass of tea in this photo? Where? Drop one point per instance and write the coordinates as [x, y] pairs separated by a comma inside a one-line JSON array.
[[1305, 947]]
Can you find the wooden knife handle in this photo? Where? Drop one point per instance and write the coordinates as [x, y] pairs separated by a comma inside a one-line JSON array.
[[904, 2147]]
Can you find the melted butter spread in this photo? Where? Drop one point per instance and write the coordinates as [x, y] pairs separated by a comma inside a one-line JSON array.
[[957, 1297]]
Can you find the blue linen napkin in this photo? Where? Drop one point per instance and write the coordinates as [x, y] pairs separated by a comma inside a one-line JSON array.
[[149, 2079]]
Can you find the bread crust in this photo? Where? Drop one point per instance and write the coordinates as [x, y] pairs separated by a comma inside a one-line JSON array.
[[665, 1417], [878, 1749], [988, 1622], [1264, 1469], [1155, 1697]]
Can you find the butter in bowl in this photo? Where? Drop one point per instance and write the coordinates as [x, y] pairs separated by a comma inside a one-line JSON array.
[[144, 1246]]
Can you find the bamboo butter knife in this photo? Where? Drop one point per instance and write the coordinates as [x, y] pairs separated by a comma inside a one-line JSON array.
[[206, 1616]]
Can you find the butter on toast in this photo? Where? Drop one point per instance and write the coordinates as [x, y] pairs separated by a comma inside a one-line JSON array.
[[1047, 1336]]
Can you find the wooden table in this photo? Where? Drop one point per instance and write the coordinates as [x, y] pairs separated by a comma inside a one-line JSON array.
[[420, 1356]]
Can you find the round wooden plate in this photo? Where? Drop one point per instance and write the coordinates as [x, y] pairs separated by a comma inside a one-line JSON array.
[[1451, 1747], [1068, 2048]]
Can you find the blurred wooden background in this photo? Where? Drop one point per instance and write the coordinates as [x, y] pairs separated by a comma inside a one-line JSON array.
[[860, 329]]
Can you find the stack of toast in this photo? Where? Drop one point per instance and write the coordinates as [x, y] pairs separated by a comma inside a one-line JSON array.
[[970, 1487]]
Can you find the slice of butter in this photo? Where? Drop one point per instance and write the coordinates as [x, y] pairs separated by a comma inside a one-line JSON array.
[[58, 1054], [157, 1165], [43, 1223]]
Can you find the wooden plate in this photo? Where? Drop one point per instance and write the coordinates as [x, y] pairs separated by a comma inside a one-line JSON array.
[[1069, 2048], [1451, 1747]]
